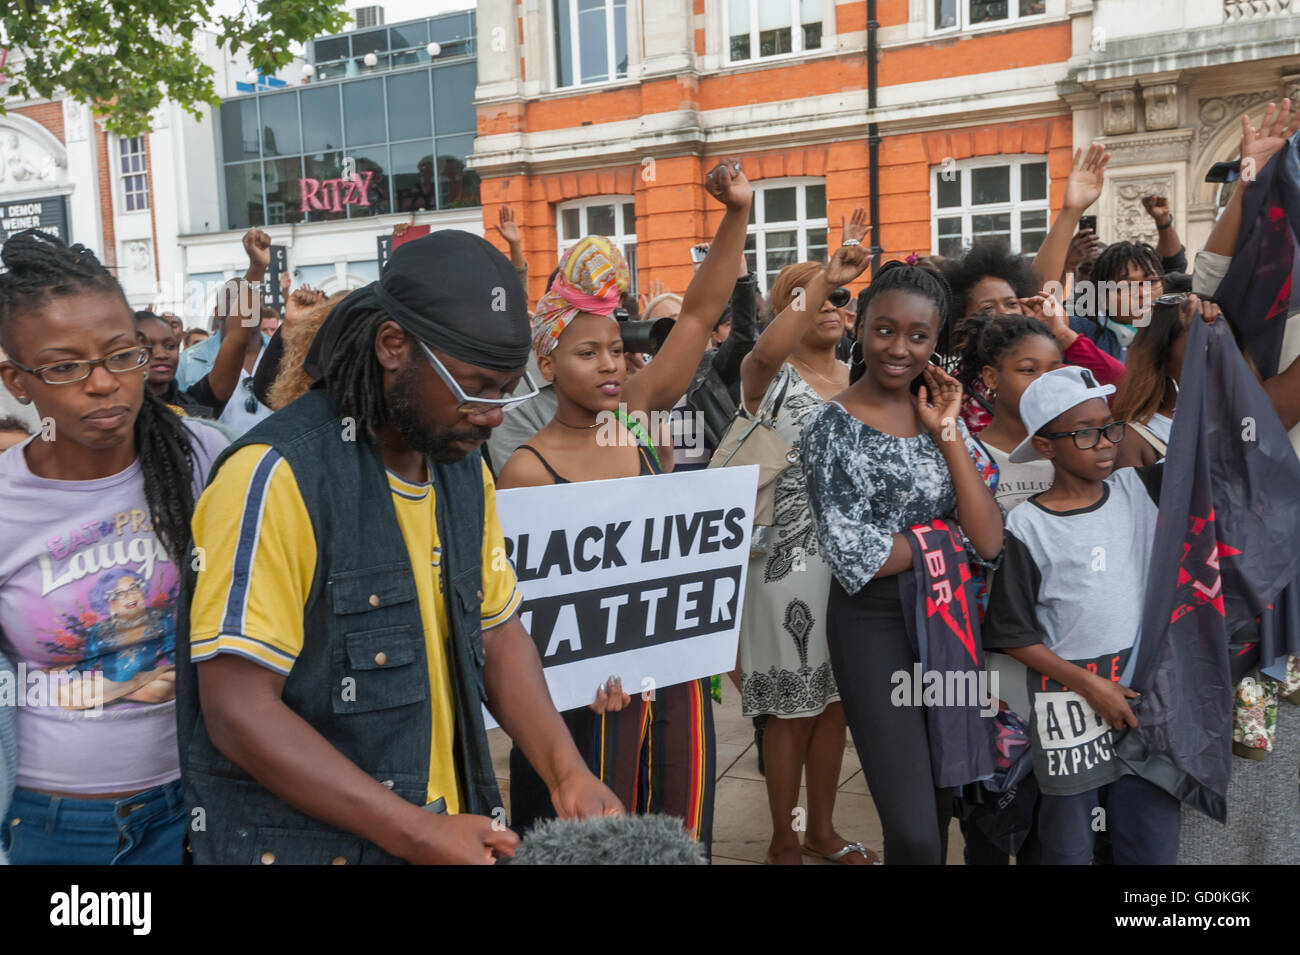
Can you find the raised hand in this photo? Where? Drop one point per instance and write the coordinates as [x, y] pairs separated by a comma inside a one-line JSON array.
[[257, 245], [300, 302], [857, 226], [1084, 247], [1157, 208], [507, 227], [726, 182], [848, 262], [1259, 145], [1083, 185], [938, 403]]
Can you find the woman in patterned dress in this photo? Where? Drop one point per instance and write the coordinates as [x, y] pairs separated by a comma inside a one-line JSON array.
[[785, 666]]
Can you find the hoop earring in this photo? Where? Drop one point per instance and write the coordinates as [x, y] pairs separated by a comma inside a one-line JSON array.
[[855, 353]]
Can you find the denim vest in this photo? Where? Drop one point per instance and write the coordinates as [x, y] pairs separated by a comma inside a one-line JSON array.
[[374, 709]]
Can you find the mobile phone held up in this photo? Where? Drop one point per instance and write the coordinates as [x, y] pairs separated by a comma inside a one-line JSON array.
[[1088, 222], [698, 252]]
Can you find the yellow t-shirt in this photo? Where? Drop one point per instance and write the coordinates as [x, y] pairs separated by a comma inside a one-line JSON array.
[[252, 525]]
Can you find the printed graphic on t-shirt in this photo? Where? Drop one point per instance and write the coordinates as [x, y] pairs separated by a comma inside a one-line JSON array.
[[106, 608], [1073, 744]]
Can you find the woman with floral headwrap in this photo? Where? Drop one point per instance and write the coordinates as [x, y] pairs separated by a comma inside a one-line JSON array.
[[579, 348]]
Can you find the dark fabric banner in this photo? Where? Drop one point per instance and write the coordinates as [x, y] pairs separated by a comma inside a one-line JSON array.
[[944, 623], [1259, 289], [1225, 546]]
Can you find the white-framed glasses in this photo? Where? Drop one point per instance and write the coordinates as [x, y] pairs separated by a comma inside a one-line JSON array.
[[470, 404]]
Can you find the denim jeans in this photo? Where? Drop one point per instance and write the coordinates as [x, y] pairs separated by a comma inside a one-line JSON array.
[[145, 829]]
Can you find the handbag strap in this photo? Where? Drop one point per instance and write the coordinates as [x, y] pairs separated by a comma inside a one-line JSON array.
[[770, 406]]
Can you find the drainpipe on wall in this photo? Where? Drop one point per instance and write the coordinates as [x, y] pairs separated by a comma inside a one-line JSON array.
[[873, 139]]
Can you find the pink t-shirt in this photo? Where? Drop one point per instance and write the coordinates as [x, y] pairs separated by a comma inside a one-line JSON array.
[[88, 618]]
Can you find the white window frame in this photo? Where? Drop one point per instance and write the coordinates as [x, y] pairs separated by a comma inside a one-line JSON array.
[[123, 175], [966, 209], [963, 23], [575, 45], [796, 33], [801, 224], [624, 240]]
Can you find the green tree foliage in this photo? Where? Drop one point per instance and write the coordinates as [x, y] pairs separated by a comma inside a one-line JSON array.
[[124, 57]]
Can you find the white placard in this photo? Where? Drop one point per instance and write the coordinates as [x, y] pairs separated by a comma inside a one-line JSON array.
[[641, 578]]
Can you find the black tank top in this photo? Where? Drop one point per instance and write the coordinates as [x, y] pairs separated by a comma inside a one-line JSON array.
[[648, 465]]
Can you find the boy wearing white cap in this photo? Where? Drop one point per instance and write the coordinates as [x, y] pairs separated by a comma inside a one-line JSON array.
[[1067, 602]]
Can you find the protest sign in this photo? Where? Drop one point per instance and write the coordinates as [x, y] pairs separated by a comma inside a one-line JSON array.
[[642, 578]]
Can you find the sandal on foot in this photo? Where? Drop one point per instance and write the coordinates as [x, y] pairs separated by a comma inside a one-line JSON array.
[[838, 856]]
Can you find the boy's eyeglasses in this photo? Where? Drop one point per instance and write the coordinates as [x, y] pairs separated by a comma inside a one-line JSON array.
[[70, 372], [1085, 439], [470, 405], [840, 297]]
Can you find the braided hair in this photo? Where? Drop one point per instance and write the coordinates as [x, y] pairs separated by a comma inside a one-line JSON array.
[[896, 276], [353, 376], [986, 338], [40, 267]]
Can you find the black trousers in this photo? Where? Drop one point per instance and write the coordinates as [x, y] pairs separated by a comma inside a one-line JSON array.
[[868, 645]]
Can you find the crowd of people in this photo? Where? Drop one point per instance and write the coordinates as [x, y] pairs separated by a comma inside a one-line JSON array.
[[275, 553]]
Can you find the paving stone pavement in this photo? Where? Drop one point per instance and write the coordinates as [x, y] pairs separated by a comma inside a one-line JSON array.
[[741, 822]]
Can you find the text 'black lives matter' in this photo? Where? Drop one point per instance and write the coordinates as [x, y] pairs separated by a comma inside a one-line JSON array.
[[597, 623]]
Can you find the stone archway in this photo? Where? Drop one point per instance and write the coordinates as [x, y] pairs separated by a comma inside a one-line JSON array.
[[32, 159]]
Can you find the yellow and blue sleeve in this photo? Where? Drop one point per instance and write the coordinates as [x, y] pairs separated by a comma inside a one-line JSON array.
[[251, 525], [501, 597]]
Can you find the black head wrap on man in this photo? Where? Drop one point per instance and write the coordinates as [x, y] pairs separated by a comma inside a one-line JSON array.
[[451, 290]]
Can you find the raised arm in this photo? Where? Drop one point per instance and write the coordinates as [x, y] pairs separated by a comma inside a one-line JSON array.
[[782, 335], [1169, 247], [1258, 146], [1082, 189], [239, 308], [664, 380], [744, 327]]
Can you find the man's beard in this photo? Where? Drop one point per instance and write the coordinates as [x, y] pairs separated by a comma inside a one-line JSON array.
[[403, 406]]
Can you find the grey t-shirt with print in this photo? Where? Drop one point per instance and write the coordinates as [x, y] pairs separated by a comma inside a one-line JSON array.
[[1075, 581]]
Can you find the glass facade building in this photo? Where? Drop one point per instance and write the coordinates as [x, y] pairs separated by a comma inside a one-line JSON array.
[[380, 139]]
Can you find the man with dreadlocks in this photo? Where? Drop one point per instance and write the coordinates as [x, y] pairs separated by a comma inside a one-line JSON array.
[[97, 510], [356, 609]]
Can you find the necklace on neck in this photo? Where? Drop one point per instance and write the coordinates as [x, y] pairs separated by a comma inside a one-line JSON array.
[[814, 371], [578, 427]]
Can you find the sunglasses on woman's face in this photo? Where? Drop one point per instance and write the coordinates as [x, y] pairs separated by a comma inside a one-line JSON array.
[[840, 297]]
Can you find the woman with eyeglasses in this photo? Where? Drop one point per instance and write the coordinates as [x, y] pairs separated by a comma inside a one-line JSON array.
[[97, 512], [785, 667], [657, 753]]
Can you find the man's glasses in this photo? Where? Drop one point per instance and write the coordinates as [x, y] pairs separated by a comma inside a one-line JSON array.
[[839, 298], [1085, 439], [70, 372], [474, 406]]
